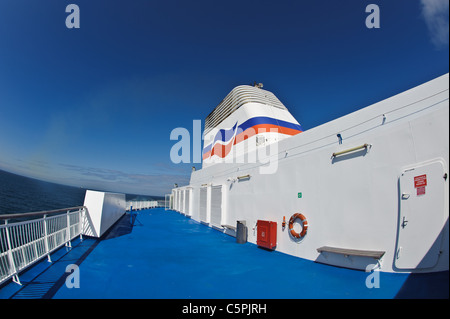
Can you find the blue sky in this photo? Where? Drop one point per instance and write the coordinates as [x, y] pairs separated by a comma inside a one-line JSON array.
[[94, 106]]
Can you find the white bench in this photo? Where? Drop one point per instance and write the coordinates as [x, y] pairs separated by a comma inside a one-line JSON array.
[[376, 254], [229, 227]]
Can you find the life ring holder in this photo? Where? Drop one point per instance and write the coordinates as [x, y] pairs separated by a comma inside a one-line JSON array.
[[304, 226]]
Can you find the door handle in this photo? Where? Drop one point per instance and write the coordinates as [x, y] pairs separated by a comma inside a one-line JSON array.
[[404, 222], [405, 196]]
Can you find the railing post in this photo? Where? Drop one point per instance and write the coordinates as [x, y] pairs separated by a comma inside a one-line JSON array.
[[81, 221], [10, 256], [68, 243], [47, 250]]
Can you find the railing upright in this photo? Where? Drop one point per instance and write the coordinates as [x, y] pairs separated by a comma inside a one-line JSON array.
[[47, 250], [10, 255], [68, 243], [81, 212]]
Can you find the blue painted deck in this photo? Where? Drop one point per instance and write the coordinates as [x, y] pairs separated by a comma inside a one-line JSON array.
[[165, 255]]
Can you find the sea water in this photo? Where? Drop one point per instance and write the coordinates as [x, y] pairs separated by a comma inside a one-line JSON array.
[[20, 194]]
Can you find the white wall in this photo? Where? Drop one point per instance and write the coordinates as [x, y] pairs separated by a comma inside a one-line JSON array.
[[104, 209]]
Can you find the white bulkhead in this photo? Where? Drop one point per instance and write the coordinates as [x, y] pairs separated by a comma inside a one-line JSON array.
[[103, 210]]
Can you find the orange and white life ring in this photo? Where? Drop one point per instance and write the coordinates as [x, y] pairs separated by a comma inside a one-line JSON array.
[[304, 225]]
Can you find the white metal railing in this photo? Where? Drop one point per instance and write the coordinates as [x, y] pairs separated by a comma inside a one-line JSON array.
[[24, 242], [142, 204]]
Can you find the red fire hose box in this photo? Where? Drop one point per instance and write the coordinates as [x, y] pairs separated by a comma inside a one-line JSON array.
[[267, 234]]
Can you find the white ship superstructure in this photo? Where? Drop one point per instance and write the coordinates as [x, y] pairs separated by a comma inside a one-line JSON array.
[[249, 117]]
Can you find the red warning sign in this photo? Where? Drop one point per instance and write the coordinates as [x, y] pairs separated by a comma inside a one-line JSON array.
[[420, 181], [420, 190]]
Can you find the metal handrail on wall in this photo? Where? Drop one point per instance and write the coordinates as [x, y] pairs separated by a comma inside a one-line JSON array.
[[22, 243], [357, 148]]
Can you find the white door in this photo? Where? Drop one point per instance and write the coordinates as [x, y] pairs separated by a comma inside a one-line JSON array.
[[203, 203], [175, 200], [187, 209], [182, 201], [216, 205], [422, 216]]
